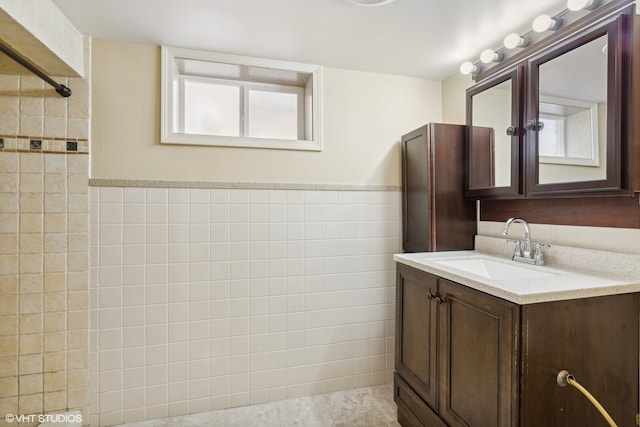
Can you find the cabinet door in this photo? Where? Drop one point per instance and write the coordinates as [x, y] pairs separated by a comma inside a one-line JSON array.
[[416, 205], [494, 136], [577, 132], [416, 329], [478, 358]]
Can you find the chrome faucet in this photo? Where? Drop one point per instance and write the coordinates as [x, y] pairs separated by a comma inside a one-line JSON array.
[[522, 252]]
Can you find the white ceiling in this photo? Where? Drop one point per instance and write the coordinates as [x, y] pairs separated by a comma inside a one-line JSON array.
[[421, 38]]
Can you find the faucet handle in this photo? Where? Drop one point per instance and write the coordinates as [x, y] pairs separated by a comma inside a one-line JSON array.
[[539, 258], [518, 250]]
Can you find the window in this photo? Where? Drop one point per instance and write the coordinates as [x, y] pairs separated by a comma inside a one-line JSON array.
[[228, 100]]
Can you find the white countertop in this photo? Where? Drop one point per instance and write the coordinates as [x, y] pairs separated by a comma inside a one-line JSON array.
[[553, 285]]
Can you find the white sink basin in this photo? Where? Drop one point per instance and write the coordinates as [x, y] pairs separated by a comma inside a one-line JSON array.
[[493, 269], [514, 281]]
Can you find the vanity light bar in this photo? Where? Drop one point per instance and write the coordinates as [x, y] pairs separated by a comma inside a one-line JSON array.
[[514, 40]]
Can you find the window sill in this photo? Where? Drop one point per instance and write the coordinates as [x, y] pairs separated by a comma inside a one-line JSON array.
[[245, 142]]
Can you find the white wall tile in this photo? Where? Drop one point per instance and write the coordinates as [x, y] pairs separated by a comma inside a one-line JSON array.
[[239, 296], [133, 234], [157, 233], [157, 214], [134, 213], [258, 213], [198, 195], [134, 316], [198, 214], [220, 196], [238, 196], [133, 275], [178, 214], [157, 195], [313, 197], [258, 196], [110, 195], [110, 213], [277, 196], [199, 233], [239, 213], [178, 352], [220, 213], [134, 195]]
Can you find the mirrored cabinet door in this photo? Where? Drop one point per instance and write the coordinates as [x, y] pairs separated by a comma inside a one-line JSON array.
[[494, 138], [574, 123]]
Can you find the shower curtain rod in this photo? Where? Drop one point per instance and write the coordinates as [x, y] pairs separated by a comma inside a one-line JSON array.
[[61, 89]]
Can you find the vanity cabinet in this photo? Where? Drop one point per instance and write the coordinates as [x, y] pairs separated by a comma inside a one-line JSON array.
[[467, 358], [560, 114], [455, 358]]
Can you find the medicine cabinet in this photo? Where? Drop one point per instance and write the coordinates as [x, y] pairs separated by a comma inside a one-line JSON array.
[[557, 123]]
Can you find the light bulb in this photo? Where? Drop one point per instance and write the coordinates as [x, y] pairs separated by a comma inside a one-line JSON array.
[[545, 22], [489, 55], [513, 40], [468, 68], [582, 4]]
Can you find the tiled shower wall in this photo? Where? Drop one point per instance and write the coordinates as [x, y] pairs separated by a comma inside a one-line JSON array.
[[204, 299], [44, 248]]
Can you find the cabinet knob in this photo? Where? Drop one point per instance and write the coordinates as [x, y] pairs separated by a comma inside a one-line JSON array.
[[511, 131], [440, 300], [430, 296], [531, 125]]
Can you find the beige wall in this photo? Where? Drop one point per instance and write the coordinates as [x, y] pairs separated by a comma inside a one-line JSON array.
[[611, 239], [364, 115]]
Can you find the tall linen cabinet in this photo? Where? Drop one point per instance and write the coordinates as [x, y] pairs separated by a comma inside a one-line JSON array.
[[435, 214]]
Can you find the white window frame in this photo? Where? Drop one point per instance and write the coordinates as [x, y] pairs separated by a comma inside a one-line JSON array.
[[170, 116]]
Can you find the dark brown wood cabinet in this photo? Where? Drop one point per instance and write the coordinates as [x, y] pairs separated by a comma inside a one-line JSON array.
[[417, 322], [575, 135], [466, 358], [435, 214], [455, 350], [478, 364]]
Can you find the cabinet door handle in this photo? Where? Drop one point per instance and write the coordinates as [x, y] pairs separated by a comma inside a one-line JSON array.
[[440, 300], [430, 296], [511, 131]]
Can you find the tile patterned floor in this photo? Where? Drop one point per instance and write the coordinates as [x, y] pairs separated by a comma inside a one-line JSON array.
[[364, 407]]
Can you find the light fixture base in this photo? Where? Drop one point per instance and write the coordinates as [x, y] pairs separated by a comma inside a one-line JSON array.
[[371, 3]]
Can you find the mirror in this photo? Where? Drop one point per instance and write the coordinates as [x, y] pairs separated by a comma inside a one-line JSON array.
[[493, 111], [572, 119], [491, 118]]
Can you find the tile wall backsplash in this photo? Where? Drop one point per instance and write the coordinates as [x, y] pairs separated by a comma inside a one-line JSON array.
[[204, 299], [32, 110], [44, 248], [44, 282]]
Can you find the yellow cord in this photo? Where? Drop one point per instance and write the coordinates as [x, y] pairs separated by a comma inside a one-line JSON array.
[[592, 399]]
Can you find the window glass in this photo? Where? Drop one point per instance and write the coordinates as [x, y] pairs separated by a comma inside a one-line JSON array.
[[273, 114], [211, 109]]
